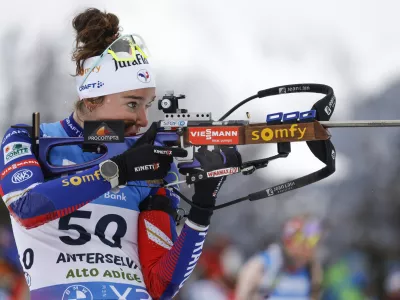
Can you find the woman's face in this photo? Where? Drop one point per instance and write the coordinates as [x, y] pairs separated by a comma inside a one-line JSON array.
[[300, 240], [301, 253], [130, 106]]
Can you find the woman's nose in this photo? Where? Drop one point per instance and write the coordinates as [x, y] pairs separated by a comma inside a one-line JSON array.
[[142, 120]]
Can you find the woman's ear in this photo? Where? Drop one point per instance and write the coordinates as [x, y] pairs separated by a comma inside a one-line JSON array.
[[90, 106], [92, 103]]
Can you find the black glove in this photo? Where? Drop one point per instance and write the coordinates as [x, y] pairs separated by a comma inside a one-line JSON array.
[[144, 161], [206, 191]]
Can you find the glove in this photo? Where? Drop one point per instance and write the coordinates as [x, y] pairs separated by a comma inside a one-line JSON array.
[[144, 161], [206, 191]]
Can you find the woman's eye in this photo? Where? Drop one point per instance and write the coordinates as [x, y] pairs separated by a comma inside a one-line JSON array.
[[132, 104]]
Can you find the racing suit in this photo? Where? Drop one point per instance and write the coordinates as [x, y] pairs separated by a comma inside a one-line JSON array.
[[77, 239], [264, 277]]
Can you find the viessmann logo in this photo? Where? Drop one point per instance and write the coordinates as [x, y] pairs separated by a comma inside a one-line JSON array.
[[210, 133], [227, 135]]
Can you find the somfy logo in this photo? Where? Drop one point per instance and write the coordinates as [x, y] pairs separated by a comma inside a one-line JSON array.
[[21, 176]]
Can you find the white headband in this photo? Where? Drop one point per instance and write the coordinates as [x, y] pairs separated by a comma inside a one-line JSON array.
[[111, 76]]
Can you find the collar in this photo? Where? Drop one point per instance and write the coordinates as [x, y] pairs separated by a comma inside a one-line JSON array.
[[71, 127]]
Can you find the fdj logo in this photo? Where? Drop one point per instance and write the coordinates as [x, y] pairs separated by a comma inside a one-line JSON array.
[[88, 86]]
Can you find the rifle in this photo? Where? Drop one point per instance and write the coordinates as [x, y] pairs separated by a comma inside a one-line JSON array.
[[181, 128]]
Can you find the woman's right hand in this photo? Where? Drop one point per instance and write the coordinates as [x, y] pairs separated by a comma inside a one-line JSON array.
[[144, 161], [206, 190]]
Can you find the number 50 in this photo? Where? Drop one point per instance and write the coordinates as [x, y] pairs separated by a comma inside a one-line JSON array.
[[100, 229]]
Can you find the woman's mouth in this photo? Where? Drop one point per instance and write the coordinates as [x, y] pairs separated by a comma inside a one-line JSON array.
[[132, 130]]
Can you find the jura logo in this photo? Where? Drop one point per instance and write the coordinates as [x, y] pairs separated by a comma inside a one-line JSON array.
[[113, 196]]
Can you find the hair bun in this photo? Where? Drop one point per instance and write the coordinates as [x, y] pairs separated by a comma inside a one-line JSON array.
[[95, 31], [113, 26], [92, 26]]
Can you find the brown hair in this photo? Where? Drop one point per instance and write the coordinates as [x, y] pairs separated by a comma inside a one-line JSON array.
[[95, 30]]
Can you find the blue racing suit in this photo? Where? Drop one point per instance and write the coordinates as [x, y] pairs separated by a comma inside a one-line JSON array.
[[77, 239]]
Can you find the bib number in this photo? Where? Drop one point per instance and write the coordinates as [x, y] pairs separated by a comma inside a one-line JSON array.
[[66, 223], [27, 258]]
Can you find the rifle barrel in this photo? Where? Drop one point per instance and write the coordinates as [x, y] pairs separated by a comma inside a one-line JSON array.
[[361, 123]]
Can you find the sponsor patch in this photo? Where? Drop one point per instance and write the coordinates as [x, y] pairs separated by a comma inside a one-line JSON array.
[[14, 150], [20, 164], [77, 292], [21, 176], [106, 131], [147, 167], [163, 152], [223, 172], [221, 135]]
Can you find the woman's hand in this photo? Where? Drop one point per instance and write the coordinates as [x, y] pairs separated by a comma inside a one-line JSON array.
[[144, 161], [206, 190]]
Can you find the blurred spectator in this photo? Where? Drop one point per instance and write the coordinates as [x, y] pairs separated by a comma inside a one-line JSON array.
[[392, 281], [287, 269], [13, 284], [347, 278], [216, 271]]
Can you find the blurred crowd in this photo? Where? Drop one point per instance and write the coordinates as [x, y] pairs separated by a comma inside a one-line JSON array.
[[226, 272], [13, 284]]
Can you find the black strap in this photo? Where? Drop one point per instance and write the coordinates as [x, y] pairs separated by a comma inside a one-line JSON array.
[[158, 202], [323, 150]]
